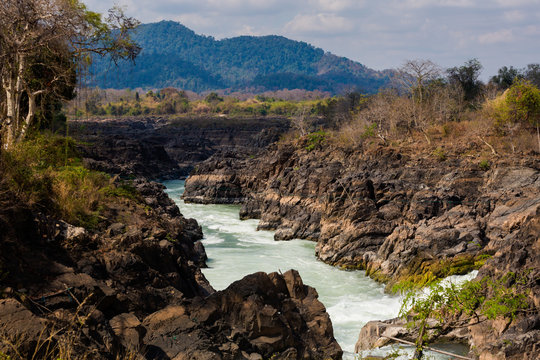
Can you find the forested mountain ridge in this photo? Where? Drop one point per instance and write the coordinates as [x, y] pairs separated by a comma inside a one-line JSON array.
[[174, 55]]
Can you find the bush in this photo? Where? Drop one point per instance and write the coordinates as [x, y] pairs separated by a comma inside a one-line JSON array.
[[440, 154], [315, 140], [519, 104], [484, 165], [47, 171]]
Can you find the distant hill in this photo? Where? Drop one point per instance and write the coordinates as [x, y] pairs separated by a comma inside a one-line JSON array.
[[174, 55]]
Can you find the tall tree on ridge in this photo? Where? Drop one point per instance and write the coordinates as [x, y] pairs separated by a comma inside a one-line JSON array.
[[41, 42]]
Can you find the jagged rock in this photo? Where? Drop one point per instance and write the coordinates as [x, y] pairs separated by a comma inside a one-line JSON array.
[[128, 329], [137, 286], [400, 217], [19, 325], [260, 316]]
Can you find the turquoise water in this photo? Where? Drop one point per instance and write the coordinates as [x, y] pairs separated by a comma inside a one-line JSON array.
[[235, 249]]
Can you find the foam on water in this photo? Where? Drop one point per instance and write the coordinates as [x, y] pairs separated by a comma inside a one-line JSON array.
[[235, 249]]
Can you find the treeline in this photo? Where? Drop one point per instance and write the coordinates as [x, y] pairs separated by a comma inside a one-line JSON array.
[[174, 56], [439, 107], [171, 101]]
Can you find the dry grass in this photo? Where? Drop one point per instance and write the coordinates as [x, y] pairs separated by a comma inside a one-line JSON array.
[[60, 339], [440, 126], [45, 172]]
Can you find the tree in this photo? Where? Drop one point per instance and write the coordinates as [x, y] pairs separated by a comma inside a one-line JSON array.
[[467, 77], [213, 98], [41, 44], [416, 74], [470, 303], [523, 105], [506, 77], [532, 74]]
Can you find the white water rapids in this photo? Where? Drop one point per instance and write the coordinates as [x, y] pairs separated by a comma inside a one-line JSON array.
[[236, 249]]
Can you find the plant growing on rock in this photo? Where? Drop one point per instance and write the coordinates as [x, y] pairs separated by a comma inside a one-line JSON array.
[[467, 304], [316, 139]]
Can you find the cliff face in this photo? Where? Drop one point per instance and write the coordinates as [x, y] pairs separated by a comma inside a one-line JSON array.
[[133, 288], [399, 216], [161, 147]]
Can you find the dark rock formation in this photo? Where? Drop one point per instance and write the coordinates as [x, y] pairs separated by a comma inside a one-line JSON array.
[[133, 287], [400, 217], [164, 148], [260, 316]]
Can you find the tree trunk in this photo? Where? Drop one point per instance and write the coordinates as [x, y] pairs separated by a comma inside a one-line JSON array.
[[9, 122], [419, 352], [538, 134], [29, 116], [14, 127]]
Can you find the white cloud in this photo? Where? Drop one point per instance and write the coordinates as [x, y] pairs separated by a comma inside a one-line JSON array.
[[500, 36], [415, 4], [514, 15], [517, 3], [337, 5], [320, 24], [532, 30], [248, 30]]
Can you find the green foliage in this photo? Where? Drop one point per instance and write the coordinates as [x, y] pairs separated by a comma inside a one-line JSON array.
[[467, 76], [506, 77], [369, 131], [439, 154], [213, 98], [46, 171], [423, 273], [484, 165], [519, 104], [523, 103], [488, 297], [174, 55], [316, 140], [124, 190]]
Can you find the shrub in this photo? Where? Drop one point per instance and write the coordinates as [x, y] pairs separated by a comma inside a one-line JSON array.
[[523, 103], [440, 154], [484, 165], [316, 139], [519, 104], [46, 170]]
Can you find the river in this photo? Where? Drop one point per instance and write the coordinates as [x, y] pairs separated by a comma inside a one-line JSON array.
[[235, 249]]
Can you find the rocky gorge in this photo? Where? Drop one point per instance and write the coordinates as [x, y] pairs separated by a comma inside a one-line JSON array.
[[400, 215], [134, 285], [131, 286], [135, 288]]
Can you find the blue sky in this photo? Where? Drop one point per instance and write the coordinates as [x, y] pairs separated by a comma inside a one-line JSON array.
[[380, 34]]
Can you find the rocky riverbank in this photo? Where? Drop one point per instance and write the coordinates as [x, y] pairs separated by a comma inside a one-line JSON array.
[[161, 147], [400, 215], [132, 288]]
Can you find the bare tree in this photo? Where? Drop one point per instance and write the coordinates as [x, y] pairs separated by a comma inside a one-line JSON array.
[[301, 120], [414, 75], [40, 43]]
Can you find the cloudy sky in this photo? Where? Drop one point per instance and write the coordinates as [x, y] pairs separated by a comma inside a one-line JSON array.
[[380, 34]]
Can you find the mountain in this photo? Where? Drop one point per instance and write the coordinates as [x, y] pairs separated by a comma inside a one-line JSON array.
[[174, 55]]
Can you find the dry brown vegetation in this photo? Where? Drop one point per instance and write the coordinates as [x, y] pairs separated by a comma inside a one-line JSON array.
[[46, 172], [443, 126]]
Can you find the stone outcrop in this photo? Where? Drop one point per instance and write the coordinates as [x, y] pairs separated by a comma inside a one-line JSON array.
[[261, 316], [133, 286], [159, 147], [400, 216]]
